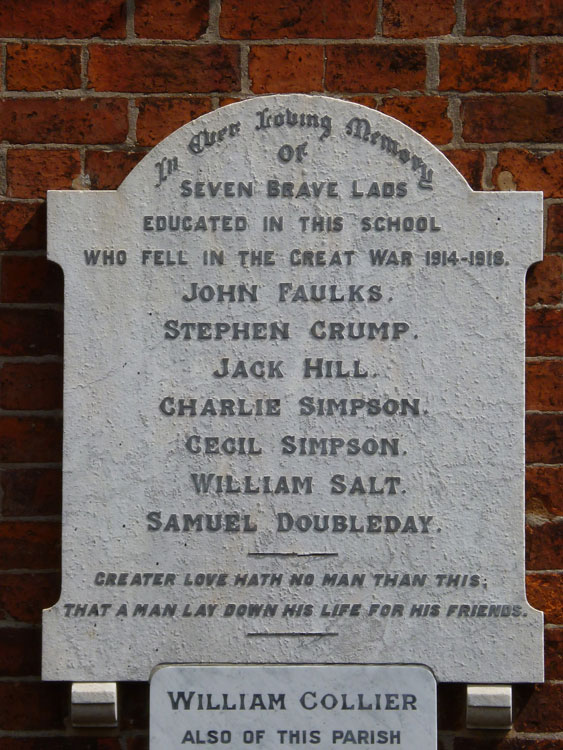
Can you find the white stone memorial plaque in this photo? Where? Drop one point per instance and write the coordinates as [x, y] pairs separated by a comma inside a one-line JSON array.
[[293, 404], [311, 707]]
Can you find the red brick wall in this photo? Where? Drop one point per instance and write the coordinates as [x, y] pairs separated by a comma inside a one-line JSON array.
[[88, 86]]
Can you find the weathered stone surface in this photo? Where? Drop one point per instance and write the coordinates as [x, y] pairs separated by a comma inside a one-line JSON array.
[[320, 706], [351, 492]]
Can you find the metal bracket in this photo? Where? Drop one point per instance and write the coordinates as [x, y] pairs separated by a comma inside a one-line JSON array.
[[489, 706], [93, 704]]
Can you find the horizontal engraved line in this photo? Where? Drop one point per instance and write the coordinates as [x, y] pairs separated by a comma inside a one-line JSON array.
[[290, 635], [292, 554]]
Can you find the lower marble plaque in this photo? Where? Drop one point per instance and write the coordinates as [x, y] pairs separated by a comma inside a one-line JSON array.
[[307, 706]]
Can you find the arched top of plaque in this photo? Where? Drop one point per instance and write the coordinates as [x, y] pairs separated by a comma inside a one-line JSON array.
[[293, 404], [300, 148], [301, 130]]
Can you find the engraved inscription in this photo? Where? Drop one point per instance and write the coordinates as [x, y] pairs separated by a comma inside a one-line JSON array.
[[293, 411]]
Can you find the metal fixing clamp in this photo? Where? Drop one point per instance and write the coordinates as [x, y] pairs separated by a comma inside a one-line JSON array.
[[489, 706], [93, 704]]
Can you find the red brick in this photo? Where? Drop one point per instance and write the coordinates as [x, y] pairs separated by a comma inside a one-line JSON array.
[[32, 333], [32, 705], [484, 68], [20, 652], [31, 279], [170, 19], [31, 172], [134, 706], [549, 67], [22, 226], [544, 438], [544, 281], [42, 67], [106, 170], [545, 592], [544, 545], [322, 19], [63, 120], [31, 385], [554, 653], [378, 68], [514, 117], [451, 706], [23, 596], [506, 17], [225, 100], [139, 742], [160, 117], [31, 492], [543, 710], [544, 333], [554, 239], [34, 545], [505, 743], [59, 18], [528, 171], [427, 115], [405, 19], [285, 69], [520, 169], [30, 439], [155, 69], [543, 490], [544, 385], [62, 742], [470, 163], [365, 100]]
